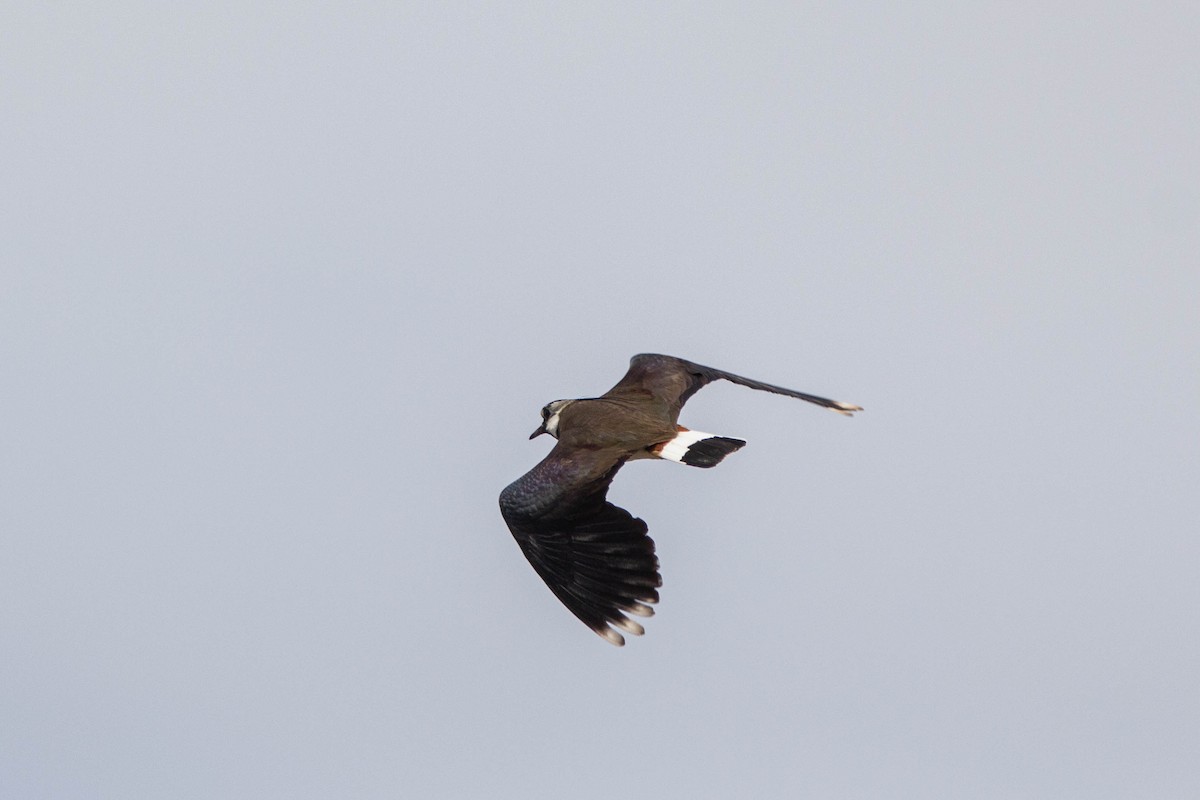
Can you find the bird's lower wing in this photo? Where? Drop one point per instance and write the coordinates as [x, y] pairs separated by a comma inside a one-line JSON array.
[[601, 566], [595, 557]]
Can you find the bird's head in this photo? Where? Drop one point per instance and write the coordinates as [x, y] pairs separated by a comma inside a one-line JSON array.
[[550, 415]]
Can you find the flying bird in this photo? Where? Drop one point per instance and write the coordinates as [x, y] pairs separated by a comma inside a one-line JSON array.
[[594, 556]]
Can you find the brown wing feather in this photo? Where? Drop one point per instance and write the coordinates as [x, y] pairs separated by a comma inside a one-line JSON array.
[[674, 380], [666, 378]]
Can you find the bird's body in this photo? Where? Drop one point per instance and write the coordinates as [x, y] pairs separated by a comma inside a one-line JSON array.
[[594, 556]]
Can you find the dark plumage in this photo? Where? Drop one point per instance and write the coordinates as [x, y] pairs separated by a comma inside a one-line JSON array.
[[594, 556]]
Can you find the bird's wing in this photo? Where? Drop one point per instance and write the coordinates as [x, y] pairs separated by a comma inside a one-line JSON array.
[[674, 380], [594, 556]]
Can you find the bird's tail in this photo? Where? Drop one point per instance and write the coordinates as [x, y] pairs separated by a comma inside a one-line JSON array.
[[696, 449]]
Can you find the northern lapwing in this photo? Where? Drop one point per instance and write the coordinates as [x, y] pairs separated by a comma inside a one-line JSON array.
[[594, 556]]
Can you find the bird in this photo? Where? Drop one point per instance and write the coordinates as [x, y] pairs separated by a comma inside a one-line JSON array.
[[596, 557]]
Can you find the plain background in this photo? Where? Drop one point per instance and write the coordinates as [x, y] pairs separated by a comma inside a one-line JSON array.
[[286, 285]]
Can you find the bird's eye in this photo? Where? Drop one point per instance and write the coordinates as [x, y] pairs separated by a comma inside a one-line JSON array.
[[546, 412]]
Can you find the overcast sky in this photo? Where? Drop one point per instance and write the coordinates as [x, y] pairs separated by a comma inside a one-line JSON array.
[[284, 287]]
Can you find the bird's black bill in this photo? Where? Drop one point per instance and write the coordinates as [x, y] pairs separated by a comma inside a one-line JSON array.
[[538, 432]]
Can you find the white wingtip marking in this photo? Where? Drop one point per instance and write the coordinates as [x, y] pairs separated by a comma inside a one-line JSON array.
[[629, 626], [639, 610], [846, 408], [611, 636]]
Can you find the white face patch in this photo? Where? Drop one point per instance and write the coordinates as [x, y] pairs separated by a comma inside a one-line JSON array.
[[551, 415]]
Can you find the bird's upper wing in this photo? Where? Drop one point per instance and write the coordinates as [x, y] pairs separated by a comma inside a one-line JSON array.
[[594, 556], [674, 380]]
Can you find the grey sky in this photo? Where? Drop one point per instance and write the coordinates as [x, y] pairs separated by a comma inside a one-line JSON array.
[[284, 288]]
